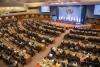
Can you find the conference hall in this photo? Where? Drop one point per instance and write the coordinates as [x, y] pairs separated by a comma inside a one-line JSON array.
[[49, 33]]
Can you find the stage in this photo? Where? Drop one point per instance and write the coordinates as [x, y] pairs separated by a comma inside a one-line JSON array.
[[66, 25]]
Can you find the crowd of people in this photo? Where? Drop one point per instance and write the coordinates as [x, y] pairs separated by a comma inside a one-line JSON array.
[[84, 34], [75, 51], [21, 39]]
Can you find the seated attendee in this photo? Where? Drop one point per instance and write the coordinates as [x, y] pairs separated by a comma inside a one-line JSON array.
[[1, 22], [58, 64], [14, 20], [88, 60], [82, 58], [7, 20], [63, 64], [54, 63], [53, 50], [77, 46], [63, 55], [38, 65], [50, 56], [76, 59], [96, 60]]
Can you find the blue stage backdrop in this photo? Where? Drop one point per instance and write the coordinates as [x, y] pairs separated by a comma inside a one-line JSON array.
[[71, 14]]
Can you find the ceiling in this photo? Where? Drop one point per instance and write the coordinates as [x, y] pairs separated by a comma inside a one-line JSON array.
[[48, 2], [29, 1], [22, 1]]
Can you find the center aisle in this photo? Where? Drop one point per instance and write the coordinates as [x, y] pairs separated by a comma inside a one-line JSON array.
[[39, 56]]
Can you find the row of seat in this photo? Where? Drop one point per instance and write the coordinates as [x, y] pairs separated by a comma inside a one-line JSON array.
[[60, 57], [28, 37], [88, 33], [10, 56], [40, 28], [88, 30], [75, 51], [83, 38], [82, 48], [52, 27]]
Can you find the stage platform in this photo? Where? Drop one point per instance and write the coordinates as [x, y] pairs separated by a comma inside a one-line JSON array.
[[66, 25]]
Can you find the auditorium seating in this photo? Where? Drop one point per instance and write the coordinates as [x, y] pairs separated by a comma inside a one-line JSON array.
[[68, 55], [10, 56], [88, 30], [40, 27], [21, 39], [85, 35], [76, 50]]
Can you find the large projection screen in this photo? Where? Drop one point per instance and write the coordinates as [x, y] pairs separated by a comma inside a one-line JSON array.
[[70, 13], [97, 10], [45, 9]]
